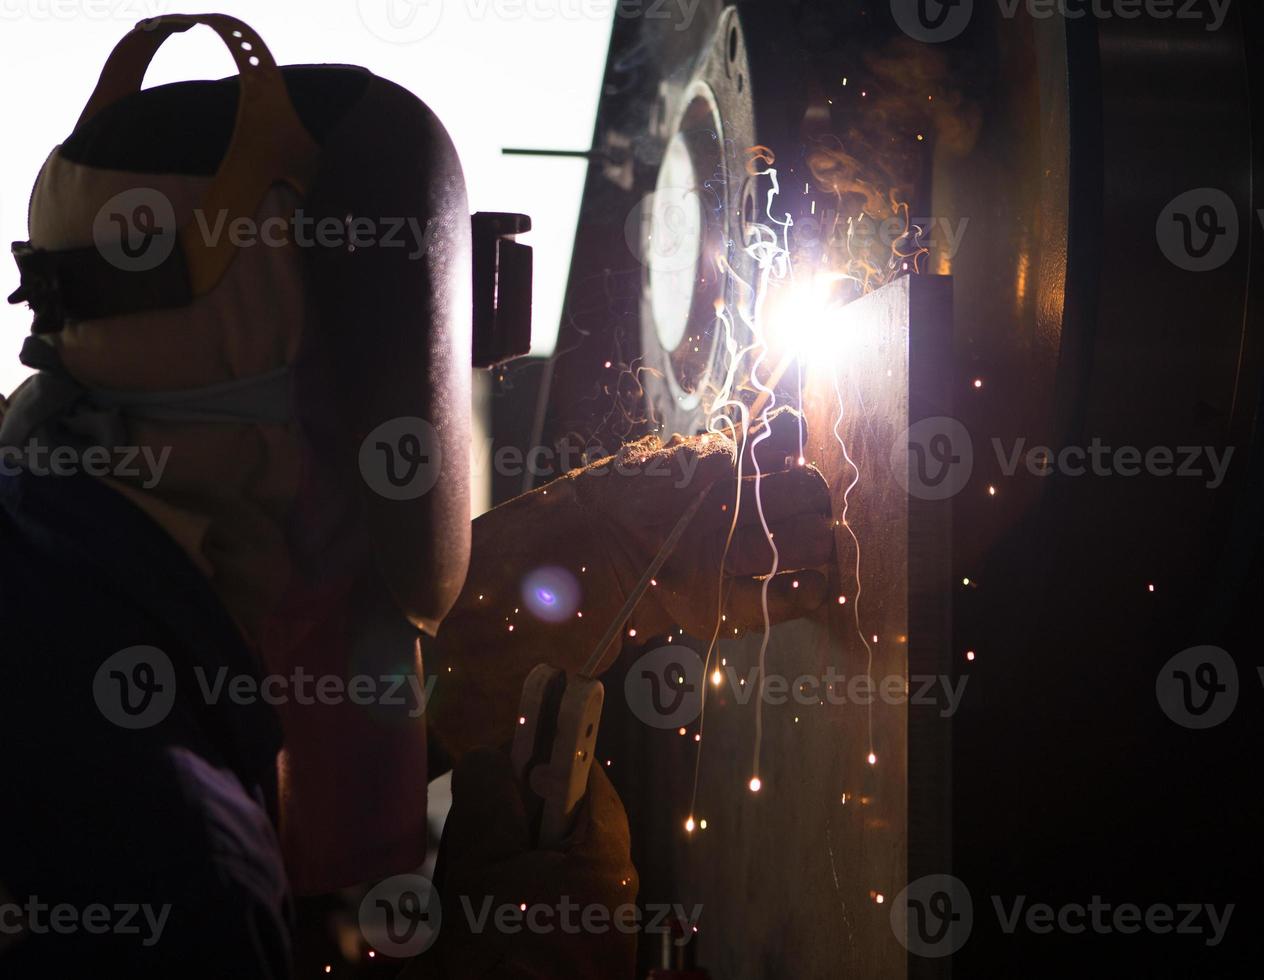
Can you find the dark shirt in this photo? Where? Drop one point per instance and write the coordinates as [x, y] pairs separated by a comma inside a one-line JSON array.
[[137, 836]]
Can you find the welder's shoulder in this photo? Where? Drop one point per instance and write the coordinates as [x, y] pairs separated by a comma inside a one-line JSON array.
[[183, 868], [120, 794]]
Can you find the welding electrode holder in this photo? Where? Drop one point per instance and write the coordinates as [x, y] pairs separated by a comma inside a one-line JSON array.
[[552, 751], [678, 954]]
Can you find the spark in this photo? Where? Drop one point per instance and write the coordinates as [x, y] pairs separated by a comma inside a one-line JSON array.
[[842, 410]]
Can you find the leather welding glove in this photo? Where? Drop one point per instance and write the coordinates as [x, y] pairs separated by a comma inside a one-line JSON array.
[[580, 902], [629, 517], [601, 526]]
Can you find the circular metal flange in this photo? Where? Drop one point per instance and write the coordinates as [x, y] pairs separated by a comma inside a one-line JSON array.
[[690, 233]]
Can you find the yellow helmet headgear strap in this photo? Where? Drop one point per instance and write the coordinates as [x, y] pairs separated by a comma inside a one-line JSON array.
[[269, 145]]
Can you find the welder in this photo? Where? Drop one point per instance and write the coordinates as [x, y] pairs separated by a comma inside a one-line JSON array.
[[242, 462]]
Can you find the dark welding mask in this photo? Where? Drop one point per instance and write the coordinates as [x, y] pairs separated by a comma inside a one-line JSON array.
[[273, 279]]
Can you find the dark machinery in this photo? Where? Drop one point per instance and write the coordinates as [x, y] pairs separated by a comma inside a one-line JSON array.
[[1050, 150]]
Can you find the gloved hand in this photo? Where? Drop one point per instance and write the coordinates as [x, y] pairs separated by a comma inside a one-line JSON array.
[[628, 518], [487, 861], [602, 526]]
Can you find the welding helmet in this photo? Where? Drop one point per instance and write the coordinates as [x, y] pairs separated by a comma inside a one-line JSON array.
[[274, 279]]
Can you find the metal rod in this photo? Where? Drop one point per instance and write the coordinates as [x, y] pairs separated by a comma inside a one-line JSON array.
[[673, 539], [514, 151], [738, 432]]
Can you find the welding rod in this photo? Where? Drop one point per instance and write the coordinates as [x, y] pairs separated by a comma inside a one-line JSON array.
[[638, 591], [736, 432], [594, 661]]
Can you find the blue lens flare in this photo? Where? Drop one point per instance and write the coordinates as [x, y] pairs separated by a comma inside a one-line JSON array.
[[551, 594]]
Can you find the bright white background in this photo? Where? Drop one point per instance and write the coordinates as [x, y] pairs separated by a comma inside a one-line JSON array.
[[522, 73]]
